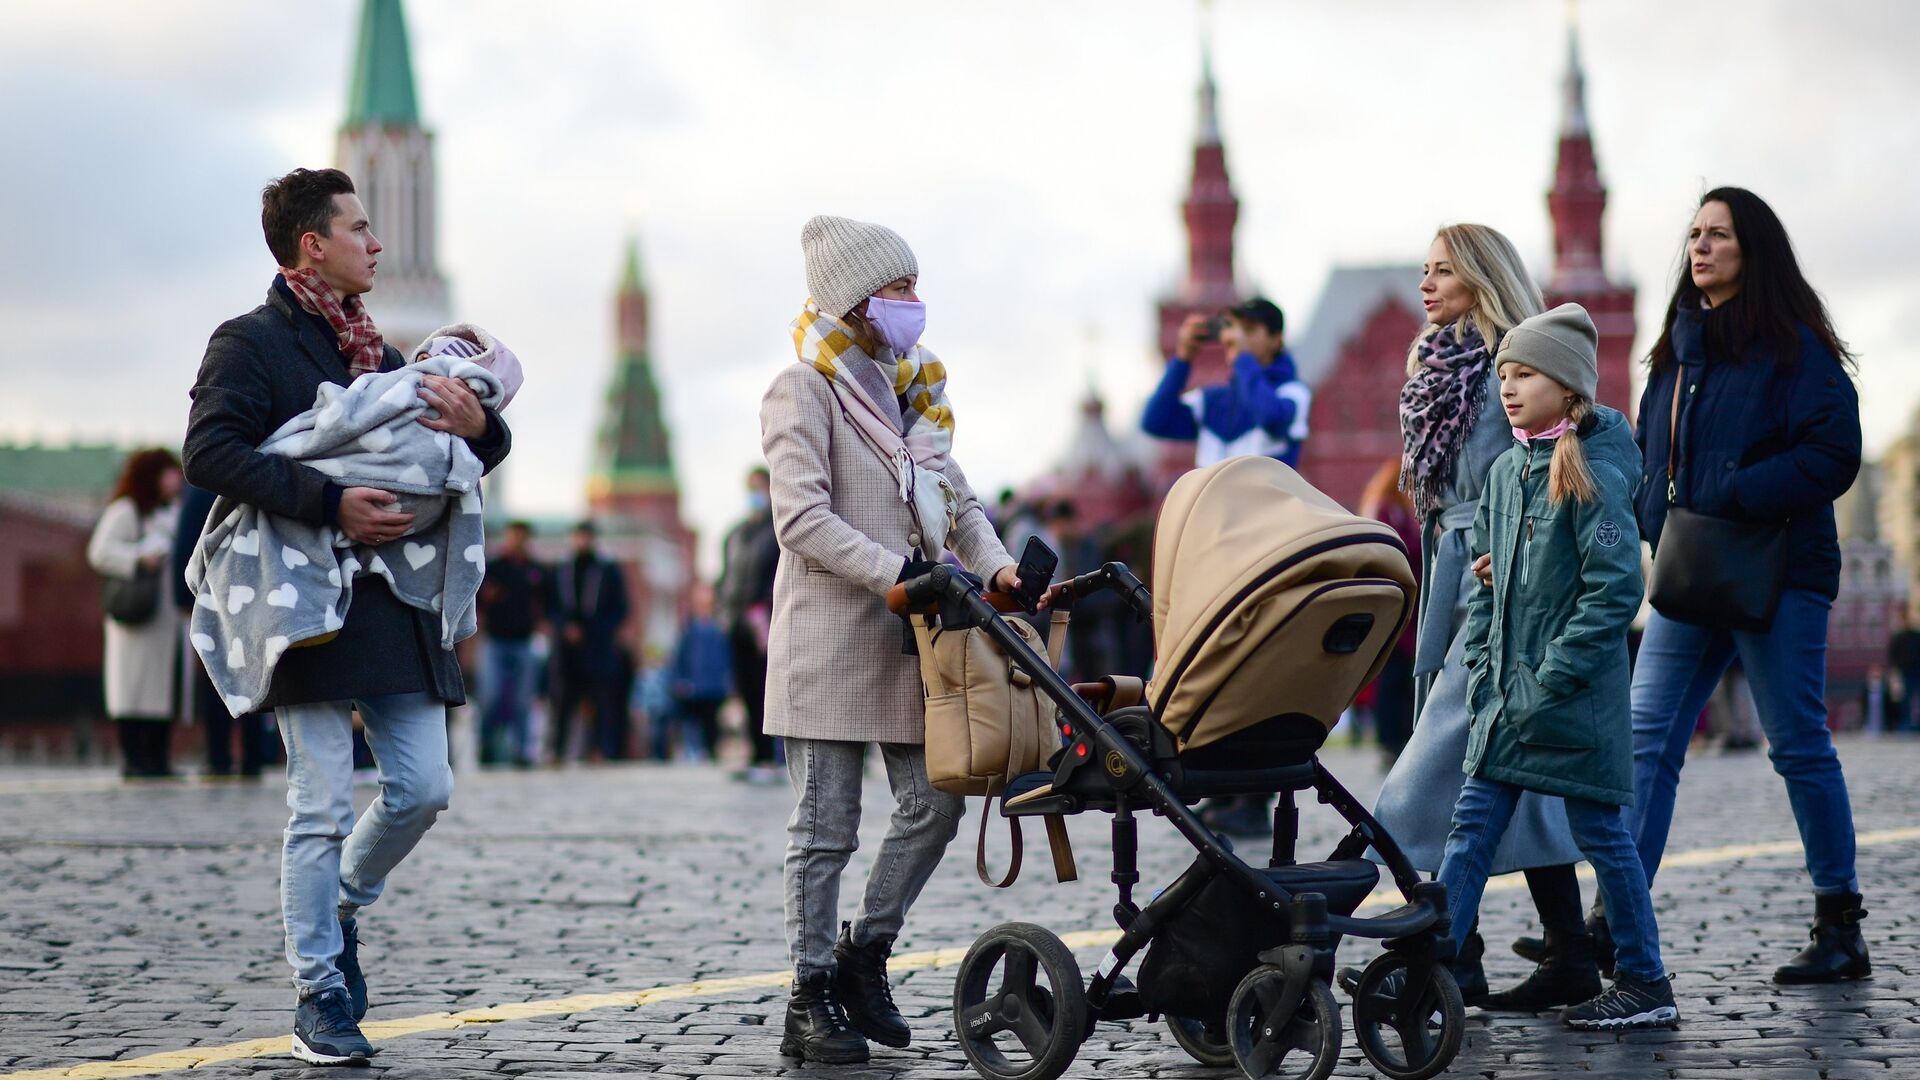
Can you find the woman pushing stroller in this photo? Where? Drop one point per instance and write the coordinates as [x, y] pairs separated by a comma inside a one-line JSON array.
[[1547, 647], [858, 425]]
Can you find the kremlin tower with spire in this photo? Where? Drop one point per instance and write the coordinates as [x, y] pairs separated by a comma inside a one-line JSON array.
[[383, 146], [633, 495], [1576, 202]]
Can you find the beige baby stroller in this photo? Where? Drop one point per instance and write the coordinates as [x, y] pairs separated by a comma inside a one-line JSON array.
[[1272, 608]]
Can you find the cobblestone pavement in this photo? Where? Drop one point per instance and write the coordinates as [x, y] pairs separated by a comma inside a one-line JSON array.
[[135, 921]]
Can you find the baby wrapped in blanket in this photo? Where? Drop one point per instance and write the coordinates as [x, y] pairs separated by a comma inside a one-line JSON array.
[[264, 583]]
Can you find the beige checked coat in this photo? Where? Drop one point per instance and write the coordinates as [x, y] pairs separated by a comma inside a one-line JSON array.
[[834, 666]]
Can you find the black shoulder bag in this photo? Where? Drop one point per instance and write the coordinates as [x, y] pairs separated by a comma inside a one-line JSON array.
[[131, 601], [1713, 571]]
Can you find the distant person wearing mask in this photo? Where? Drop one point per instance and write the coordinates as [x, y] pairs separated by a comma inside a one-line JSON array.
[[749, 555], [1262, 407]]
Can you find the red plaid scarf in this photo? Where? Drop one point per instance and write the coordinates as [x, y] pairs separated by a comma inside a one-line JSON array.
[[361, 345]]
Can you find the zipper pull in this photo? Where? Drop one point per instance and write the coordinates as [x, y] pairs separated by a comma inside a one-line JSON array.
[[1529, 530]]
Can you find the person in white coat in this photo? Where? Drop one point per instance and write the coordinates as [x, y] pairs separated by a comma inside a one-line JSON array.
[[143, 659]]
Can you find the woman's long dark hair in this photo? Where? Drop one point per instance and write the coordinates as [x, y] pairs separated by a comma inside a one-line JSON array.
[[1774, 300], [140, 478]]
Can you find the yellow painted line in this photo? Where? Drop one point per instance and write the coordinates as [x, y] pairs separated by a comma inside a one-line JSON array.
[[379, 1030]]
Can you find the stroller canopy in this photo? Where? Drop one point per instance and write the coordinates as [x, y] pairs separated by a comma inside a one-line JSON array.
[[1270, 599]]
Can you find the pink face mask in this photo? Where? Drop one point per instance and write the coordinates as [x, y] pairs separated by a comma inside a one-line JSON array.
[[898, 322]]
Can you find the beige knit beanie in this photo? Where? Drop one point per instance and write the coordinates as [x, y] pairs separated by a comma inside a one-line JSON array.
[[1561, 344], [848, 260]]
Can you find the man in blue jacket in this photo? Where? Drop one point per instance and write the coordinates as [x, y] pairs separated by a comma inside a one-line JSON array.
[[1260, 409]]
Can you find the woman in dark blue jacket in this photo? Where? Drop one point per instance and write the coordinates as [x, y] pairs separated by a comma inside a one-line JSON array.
[[1769, 431]]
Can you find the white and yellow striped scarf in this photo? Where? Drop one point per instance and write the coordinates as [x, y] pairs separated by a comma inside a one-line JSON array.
[[918, 451]]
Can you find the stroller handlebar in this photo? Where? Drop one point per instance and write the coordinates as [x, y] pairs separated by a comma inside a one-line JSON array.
[[1114, 577], [926, 590], [939, 583]]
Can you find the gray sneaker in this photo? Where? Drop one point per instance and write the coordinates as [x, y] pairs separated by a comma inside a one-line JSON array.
[[324, 1032], [1631, 1002]]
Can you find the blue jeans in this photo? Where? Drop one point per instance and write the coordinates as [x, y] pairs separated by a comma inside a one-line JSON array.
[[1678, 666], [1600, 831], [506, 726], [333, 865]]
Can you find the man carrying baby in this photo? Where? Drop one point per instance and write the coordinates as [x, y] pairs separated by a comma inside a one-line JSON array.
[[260, 370]]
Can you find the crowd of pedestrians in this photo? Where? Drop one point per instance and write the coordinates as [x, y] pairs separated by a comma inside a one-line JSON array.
[[1514, 697]]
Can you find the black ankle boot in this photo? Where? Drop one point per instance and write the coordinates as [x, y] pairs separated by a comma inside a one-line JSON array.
[[817, 1027], [1566, 975], [1838, 951], [1468, 972], [860, 979]]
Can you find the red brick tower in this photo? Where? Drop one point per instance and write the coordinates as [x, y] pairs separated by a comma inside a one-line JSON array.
[[1577, 201], [1210, 211]]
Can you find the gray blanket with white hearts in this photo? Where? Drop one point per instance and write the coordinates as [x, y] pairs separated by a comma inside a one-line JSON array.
[[264, 583]]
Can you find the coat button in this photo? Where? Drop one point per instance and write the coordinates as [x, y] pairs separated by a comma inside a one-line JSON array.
[[1729, 466], [913, 539]]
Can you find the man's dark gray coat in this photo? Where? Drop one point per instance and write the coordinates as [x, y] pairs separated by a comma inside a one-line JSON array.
[[261, 370]]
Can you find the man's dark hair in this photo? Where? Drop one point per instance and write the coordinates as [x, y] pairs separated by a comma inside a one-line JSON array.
[[518, 523], [1263, 311], [299, 203], [586, 525]]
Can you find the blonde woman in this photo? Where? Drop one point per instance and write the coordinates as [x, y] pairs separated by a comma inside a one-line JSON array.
[[1474, 289]]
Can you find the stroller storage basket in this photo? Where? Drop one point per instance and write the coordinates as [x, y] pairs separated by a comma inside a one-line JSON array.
[[1206, 949]]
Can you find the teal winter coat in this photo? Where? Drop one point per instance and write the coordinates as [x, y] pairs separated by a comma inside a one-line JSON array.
[[1547, 644]]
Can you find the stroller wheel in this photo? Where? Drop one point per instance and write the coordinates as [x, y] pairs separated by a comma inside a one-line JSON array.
[[1018, 1004], [1262, 1042], [1408, 1017], [1205, 1043]]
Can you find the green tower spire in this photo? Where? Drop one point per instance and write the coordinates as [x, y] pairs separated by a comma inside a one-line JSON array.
[[630, 274], [382, 87], [632, 452]]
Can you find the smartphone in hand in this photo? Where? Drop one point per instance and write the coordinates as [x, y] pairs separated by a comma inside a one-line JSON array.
[[1037, 564]]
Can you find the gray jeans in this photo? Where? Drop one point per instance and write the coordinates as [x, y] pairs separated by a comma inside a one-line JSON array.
[[824, 831], [333, 865]]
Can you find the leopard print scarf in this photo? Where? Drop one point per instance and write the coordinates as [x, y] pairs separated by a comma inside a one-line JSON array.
[[1438, 408]]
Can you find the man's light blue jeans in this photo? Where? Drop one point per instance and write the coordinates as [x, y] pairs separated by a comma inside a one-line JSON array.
[[1600, 831], [333, 865], [1675, 672]]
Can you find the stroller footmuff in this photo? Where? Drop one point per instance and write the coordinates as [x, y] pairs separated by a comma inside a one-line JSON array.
[[1272, 608]]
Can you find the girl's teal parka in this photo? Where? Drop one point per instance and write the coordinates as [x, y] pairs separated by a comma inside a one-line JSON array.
[[1548, 641]]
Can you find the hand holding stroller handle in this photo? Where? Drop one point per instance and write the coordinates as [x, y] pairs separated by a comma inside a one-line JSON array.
[[916, 593]]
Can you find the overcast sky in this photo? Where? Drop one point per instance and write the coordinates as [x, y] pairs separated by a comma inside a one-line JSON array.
[[1033, 155]]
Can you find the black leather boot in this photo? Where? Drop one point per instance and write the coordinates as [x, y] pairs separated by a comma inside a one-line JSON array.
[[1535, 949], [860, 980], [1839, 951], [1566, 975], [817, 1027], [1467, 969]]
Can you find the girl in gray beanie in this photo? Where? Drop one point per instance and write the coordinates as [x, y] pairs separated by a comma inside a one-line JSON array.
[[858, 437]]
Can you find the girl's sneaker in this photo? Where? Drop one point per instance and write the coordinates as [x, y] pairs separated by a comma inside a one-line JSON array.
[[1631, 1002]]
